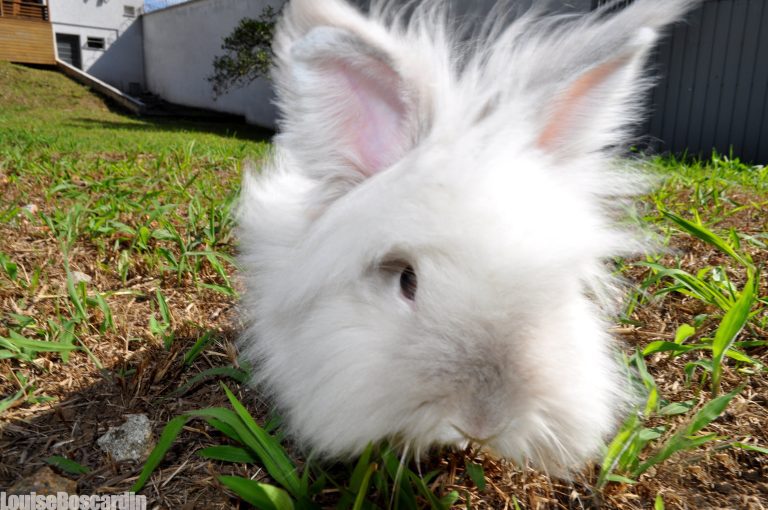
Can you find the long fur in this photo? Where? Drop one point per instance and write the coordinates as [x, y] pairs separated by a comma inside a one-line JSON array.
[[488, 165]]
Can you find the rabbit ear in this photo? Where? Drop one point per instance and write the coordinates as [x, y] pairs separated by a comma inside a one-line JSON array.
[[591, 111], [604, 55], [348, 102], [345, 108]]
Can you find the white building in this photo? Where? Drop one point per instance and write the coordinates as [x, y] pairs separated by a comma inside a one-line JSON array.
[[180, 44], [102, 38]]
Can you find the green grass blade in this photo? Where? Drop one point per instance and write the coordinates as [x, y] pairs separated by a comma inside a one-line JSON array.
[[261, 495], [402, 491], [476, 474], [684, 332], [230, 372], [685, 439], [75, 297], [21, 342], [730, 327], [710, 412], [228, 453], [620, 443], [276, 461], [697, 287], [168, 436], [362, 488], [620, 479], [750, 447], [703, 233], [108, 322], [196, 349], [6, 403], [434, 502], [225, 429], [361, 468], [674, 348], [67, 465], [165, 312]]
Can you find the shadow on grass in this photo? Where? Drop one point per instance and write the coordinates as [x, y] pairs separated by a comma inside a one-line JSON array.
[[228, 128], [146, 381]]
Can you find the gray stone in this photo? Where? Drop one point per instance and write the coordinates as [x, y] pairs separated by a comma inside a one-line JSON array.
[[130, 441], [78, 277]]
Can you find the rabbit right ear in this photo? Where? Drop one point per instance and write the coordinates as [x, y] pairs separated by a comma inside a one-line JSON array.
[[346, 109]]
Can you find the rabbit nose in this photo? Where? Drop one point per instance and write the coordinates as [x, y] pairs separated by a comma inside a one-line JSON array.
[[484, 399]]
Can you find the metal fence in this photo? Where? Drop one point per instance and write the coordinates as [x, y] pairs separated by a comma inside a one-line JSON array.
[[713, 88]]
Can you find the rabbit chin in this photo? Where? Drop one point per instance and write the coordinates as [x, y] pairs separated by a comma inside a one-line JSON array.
[[557, 448]]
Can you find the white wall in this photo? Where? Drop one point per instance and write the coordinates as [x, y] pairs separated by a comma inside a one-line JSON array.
[[121, 61], [180, 43]]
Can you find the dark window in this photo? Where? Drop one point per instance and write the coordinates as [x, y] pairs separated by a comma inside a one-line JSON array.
[[68, 48], [129, 11], [95, 43]]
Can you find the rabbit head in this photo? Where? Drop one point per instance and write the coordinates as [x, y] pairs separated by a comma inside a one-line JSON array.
[[423, 250]]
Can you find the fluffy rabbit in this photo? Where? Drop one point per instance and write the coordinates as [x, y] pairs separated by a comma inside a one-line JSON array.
[[423, 251]]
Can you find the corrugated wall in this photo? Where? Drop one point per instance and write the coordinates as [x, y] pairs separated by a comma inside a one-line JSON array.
[[713, 88]]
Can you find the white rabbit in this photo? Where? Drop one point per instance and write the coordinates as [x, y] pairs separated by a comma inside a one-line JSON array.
[[423, 250]]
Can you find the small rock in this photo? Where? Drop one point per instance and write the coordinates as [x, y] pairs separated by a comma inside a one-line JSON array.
[[30, 208], [752, 475], [760, 400], [44, 482], [724, 488], [700, 501], [78, 277], [130, 441]]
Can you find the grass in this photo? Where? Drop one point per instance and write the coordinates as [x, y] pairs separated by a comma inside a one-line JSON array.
[[117, 286]]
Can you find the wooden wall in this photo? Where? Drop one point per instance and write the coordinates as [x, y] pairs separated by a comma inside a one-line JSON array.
[[26, 41]]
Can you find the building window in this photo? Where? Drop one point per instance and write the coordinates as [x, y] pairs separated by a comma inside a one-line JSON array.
[[95, 43], [129, 11]]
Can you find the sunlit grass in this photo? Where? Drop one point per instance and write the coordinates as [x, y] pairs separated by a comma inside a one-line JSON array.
[[137, 201]]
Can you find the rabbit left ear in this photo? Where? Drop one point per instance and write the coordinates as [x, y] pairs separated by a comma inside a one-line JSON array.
[[592, 110], [347, 108]]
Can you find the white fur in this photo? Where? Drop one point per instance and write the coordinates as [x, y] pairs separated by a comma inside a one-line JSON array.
[[486, 165]]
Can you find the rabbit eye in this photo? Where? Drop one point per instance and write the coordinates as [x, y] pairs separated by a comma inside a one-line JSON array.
[[408, 283]]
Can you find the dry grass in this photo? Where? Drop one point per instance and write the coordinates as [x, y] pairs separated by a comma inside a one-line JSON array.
[[121, 171]]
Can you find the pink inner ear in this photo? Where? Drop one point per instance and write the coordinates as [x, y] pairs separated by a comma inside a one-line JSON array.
[[372, 115], [565, 115]]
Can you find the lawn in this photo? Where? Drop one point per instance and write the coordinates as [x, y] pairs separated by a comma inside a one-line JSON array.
[[117, 296]]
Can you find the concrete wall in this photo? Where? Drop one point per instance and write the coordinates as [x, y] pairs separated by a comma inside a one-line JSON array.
[[121, 62], [180, 43]]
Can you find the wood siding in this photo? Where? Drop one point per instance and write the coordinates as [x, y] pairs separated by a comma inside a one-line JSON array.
[[26, 41], [24, 9]]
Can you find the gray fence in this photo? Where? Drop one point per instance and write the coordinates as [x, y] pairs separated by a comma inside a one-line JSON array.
[[713, 88], [712, 92]]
